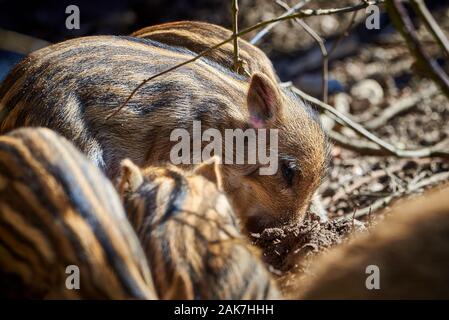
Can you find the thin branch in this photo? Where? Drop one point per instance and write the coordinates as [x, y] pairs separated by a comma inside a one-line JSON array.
[[325, 77], [420, 8], [312, 13], [324, 53], [235, 28], [238, 64], [385, 148], [262, 33], [300, 15], [320, 43], [344, 34], [404, 24], [360, 146]]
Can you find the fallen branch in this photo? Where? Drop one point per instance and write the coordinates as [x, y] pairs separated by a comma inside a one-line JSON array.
[[385, 148], [360, 146]]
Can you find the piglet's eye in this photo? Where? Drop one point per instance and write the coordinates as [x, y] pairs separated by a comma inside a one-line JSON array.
[[288, 173]]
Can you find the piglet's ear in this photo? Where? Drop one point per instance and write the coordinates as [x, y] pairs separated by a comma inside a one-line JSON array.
[[210, 170], [131, 177], [264, 101]]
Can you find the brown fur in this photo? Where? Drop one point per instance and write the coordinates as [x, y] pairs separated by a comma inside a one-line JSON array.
[[191, 236], [411, 249], [199, 36], [75, 85], [56, 210]]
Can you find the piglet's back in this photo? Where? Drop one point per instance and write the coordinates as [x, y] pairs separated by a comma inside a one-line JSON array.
[[200, 36], [74, 86], [59, 213]]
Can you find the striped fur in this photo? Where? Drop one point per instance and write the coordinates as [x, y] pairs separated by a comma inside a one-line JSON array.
[[191, 236], [75, 85], [199, 36], [57, 209]]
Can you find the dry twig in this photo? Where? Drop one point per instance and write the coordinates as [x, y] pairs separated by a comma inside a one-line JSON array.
[[324, 53], [383, 148], [321, 45], [238, 63], [262, 33]]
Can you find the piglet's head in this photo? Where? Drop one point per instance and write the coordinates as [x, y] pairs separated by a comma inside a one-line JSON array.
[[298, 158]]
